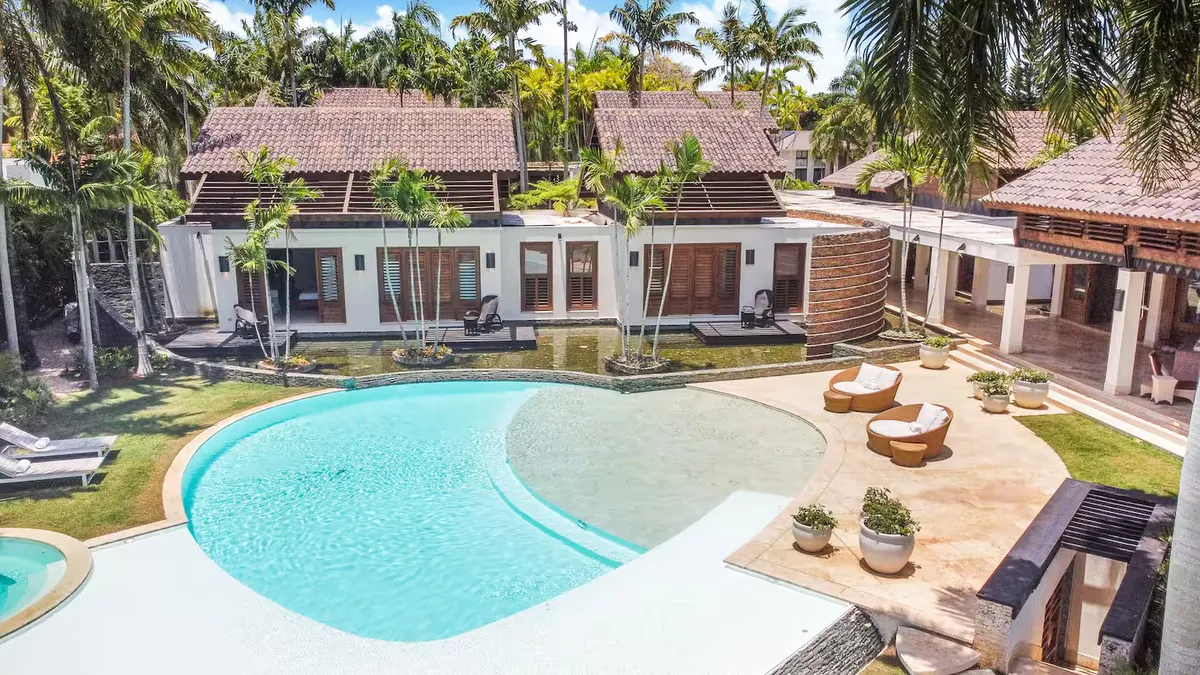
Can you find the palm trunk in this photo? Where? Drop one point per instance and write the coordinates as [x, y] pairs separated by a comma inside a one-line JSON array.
[[628, 302], [83, 297], [388, 286], [144, 368], [187, 122], [291, 64], [6, 277], [412, 285], [437, 298], [904, 328], [616, 257], [287, 291], [662, 302], [254, 310], [420, 289], [566, 92], [270, 315], [766, 81], [522, 160], [932, 296], [732, 85], [1181, 619], [649, 284], [641, 78]]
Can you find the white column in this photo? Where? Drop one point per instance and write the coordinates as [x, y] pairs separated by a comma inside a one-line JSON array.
[[939, 276], [920, 275], [980, 288], [1122, 341], [951, 287], [1016, 292], [1057, 288], [894, 263], [1154, 313]]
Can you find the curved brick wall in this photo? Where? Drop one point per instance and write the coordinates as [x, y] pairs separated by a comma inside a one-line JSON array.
[[847, 287]]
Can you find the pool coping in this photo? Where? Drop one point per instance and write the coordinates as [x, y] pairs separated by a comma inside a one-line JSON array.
[[78, 560]]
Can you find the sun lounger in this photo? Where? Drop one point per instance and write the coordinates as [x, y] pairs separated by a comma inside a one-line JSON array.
[[14, 470], [924, 423], [876, 394], [38, 448]]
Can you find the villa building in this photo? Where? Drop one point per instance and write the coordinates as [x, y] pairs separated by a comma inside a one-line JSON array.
[[795, 148]]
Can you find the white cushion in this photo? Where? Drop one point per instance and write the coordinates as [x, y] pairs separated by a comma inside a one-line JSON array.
[[854, 388], [41, 443], [930, 417], [13, 467], [875, 377], [892, 428]]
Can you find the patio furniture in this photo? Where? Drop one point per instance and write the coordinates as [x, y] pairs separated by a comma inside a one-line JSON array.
[[13, 471], [45, 447], [837, 402], [764, 307], [490, 311], [747, 316], [1164, 387], [908, 454], [924, 423], [869, 388], [247, 325], [471, 323]]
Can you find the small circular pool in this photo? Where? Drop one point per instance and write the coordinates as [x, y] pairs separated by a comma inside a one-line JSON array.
[[28, 570]]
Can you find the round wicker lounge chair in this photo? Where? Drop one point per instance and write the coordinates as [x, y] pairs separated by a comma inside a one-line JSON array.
[[874, 401], [904, 415]]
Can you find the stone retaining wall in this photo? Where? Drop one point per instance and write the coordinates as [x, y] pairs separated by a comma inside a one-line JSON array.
[[843, 648]]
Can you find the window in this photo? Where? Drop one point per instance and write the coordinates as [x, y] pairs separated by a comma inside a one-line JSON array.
[[331, 305], [789, 278], [818, 173], [468, 275], [801, 159], [536, 263], [581, 275]]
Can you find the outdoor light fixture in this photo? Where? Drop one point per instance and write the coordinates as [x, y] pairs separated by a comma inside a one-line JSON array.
[[360, 262], [223, 263], [962, 247], [915, 239], [1119, 300], [749, 256], [633, 258], [489, 260], [1011, 273]]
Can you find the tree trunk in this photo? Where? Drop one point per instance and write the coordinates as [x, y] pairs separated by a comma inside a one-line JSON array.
[[904, 261], [1181, 619], [662, 302], [6, 277], [628, 332], [766, 81], [412, 285], [566, 92], [420, 288], [254, 310], [144, 368], [437, 298], [649, 283], [287, 290], [931, 297], [83, 297], [388, 287], [187, 122], [522, 160], [270, 315], [641, 78], [291, 66]]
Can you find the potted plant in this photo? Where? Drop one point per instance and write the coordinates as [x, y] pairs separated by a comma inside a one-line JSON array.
[[995, 396], [812, 526], [982, 377], [887, 533], [934, 352], [1030, 387], [296, 363]]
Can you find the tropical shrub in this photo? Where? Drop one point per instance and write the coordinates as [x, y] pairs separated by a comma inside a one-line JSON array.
[[1031, 375], [562, 196], [937, 341], [115, 362], [815, 516], [886, 514], [24, 399], [793, 183]]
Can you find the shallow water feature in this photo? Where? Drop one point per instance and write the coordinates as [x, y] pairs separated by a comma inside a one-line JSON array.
[[28, 569]]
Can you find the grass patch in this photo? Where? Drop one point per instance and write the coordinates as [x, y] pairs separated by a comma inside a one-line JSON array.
[[154, 418], [1096, 453], [887, 664]]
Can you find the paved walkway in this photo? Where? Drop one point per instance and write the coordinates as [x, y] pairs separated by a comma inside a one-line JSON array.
[[973, 503]]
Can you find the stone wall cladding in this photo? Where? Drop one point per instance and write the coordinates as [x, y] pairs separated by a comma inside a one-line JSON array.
[[110, 282], [993, 622], [843, 648], [847, 287], [827, 217]]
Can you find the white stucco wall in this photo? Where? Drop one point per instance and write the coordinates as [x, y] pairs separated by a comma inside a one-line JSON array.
[[1025, 636], [1096, 582], [190, 265]]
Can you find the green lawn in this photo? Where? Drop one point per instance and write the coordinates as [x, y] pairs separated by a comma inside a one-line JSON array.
[[1094, 452], [154, 418]]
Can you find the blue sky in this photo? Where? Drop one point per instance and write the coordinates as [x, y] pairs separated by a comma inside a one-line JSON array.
[[590, 15]]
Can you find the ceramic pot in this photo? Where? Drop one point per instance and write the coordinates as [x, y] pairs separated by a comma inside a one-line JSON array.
[[809, 539], [1030, 394], [934, 358], [978, 390], [997, 403], [885, 553]]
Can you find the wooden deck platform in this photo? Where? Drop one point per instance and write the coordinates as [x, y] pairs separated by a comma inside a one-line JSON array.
[[718, 333], [509, 338], [206, 342]]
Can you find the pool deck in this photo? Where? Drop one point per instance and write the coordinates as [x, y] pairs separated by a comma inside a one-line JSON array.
[[972, 503], [158, 604]]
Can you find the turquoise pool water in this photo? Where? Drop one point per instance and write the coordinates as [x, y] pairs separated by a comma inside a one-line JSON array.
[[28, 569], [388, 513]]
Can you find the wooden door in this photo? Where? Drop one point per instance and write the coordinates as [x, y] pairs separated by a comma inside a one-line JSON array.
[[1054, 623], [705, 278], [1075, 293], [789, 278], [459, 284], [331, 296]]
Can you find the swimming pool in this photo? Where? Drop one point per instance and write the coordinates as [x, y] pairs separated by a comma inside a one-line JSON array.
[[28, 570], [389, 513]]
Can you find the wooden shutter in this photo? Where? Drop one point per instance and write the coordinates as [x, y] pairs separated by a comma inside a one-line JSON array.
[[704, 280], [679, 294], [245, 293], [581, 275], [726, 300], [789, 278], [468, 277], [391, 278], [655, 276], [537, 266], [331, 299]]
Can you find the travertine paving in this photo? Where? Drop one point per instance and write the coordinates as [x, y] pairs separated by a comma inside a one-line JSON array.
[[973, 501]]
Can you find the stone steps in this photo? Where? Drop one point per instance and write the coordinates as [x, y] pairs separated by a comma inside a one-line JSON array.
[[923, 653]]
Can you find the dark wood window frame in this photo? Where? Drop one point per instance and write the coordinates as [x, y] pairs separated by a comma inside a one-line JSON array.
[[330, 310], [535, 306], [577, 299], [452, 308], [706, 279], [789, 289]]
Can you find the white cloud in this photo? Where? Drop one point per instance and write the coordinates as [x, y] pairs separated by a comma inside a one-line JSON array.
[[592, 25], [224, 17]]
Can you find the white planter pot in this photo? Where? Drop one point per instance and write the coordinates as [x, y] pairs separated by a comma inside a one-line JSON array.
[[996, 403], [1030, 394], [885, 553], [977, 388], [932, 357], [810, 540]]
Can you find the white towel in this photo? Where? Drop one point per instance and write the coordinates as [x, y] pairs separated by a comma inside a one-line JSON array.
[[41, 443], [13, 467]]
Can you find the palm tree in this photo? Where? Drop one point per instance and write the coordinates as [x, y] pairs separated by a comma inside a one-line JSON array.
[[443, 218], [690, 166], [409, 196], [788, 42], [844, 133], [504, 20], [290, 12], [634, 199], [6, 278], [401, 58], [731, 42], [152, 24], [567, 28], [916, 164], [383, 181], [480, 71], [652, 29], [250, 258]]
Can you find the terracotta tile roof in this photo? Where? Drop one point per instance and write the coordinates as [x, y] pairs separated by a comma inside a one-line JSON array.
[[1093, 179], [1029, 133], [378, 97], [263, 100], [732, 140], [687, 100], [355, 139]]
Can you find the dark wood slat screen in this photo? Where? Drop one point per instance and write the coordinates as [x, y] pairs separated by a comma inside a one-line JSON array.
[[789, 278], [581, 274], [246, 291], [537, 268], [705, 279], [459, 288], [331, 294]]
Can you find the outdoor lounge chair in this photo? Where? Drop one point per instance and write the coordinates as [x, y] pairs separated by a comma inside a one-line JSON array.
[[13, 470], [764, 307], [244, 323], [490, 312], [45, 447], [1164, 387], [863, 398], [898, 424]]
